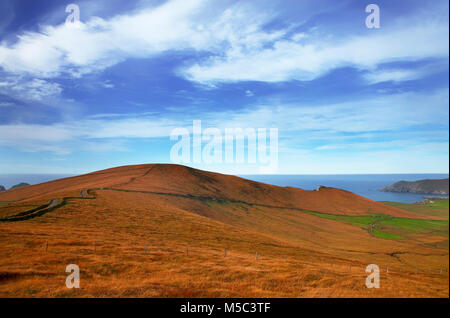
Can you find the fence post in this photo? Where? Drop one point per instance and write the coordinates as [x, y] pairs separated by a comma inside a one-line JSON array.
[[95, 247], [256, 256], [187, 250], [225, 253], [387, 269], [46, 246]]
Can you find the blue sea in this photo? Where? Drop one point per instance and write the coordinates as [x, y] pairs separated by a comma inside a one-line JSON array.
[[8, 180], [367, 185]]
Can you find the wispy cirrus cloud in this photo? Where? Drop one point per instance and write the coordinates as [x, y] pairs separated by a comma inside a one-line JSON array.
[[309, 123], [34, 89], [6, 104], [304, 61], [395, 75], [405, 74], [240, 46]]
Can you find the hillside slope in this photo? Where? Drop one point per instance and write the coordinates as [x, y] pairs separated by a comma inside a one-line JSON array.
[[181, 180], [173, 231]]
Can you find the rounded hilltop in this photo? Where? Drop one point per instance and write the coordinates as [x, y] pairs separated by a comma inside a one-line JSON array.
[[179, 180]]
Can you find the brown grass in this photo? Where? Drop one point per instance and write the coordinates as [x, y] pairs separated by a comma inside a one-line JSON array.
[[299, 254]]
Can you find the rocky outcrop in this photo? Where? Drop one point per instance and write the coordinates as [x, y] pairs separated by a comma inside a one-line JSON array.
[[429, 186], [2, 188]]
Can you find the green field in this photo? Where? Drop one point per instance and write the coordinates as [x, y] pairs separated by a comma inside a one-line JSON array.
[[436, 208], [361, 221], [386, 235], [395, 228]]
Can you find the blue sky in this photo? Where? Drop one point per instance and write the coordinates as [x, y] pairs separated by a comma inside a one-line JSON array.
[[108, 92]]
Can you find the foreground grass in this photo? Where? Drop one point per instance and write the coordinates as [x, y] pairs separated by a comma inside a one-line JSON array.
[[131, 244]]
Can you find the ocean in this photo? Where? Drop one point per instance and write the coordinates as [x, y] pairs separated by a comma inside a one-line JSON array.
[[367, 185], [8, 180]]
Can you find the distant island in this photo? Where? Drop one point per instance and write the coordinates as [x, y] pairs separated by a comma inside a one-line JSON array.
[[428, 186], [20, 185]]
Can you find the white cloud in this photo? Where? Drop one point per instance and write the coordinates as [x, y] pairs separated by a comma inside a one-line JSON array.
[[241, 49], [30, 89], [392, 75], [390, 112], [37, 89], [288, 60], [399, 75], [305, 123], [107, 84], [14, 133], [99, 43], [89, 134]]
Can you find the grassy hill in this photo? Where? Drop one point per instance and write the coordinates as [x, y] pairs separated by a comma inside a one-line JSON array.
[[169, 230]]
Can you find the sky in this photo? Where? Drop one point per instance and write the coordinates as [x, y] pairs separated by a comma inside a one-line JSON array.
[[110, 89]]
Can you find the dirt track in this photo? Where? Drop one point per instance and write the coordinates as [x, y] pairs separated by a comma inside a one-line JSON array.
[[54, 203], [39, 211]]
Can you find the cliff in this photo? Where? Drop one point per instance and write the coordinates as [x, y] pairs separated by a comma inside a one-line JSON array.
[[429, 186]]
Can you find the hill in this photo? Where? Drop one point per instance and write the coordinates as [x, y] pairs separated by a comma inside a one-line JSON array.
[[173, 231], [182, 181], [429, 186], [2, 188]]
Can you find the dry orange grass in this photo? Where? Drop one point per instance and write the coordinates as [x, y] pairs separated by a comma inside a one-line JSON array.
[[141, 241]]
